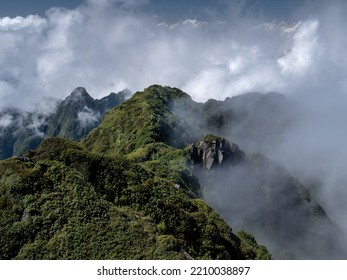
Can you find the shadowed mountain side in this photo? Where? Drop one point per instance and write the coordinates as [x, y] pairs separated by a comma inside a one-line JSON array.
[[20, 131], [71, 118], [253, 120], [79, 113], [260, 196]]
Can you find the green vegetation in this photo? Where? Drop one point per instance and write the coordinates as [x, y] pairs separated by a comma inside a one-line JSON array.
[[124, 192], [68, 203], [79, 113], [128, 191], [73, 118], [251, 249], [144, 119]]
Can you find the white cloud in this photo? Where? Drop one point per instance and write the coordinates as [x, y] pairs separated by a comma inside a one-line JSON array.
[[304, 49], [56, 52], [107, 46], [88, 117], [5, 121], [32, 22]]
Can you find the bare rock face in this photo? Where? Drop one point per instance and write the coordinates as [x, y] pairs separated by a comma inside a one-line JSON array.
[[212, 151]]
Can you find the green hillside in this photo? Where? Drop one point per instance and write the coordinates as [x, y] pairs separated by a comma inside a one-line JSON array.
[[156, 127], [68, 203], [135, 199], [141, 186], [144, 119]]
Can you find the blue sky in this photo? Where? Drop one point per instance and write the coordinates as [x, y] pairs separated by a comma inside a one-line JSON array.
[[24, 7], [168, 9]]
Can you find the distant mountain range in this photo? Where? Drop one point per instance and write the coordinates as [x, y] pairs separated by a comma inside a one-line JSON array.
[[72, 118], [140, 184]]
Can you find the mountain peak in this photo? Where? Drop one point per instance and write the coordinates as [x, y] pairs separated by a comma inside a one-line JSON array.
[[78, 94], [143, 119], [79, 113], [79, 90]]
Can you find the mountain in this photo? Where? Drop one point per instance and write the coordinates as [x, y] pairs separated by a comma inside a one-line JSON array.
[[260, 196], [64, 202], [20, 131], [255, 121], [142, 183], [79, 113], [144, 119], [138, 201], [251, 192], [72, 118]]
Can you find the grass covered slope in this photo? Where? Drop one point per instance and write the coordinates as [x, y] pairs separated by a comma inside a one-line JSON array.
[[144, 119], [68, 203]]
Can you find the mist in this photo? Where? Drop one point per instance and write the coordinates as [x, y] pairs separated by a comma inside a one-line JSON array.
[[269, 204], [276, 192], [88, 117], [110, 45], [303, 130]]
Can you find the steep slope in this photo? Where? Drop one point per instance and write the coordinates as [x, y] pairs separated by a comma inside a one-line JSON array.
[[8, 129], [20, 131], [135, 162], [260, 196], [64, 202], [79, 113], [145, 118], [144, 129]]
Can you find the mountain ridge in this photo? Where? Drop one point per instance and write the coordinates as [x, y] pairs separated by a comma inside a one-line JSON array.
[[151, 182], [138, 162], [155, 110]]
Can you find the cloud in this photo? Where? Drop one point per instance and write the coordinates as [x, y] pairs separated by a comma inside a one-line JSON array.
[[5, 121], [32, 22], [109, 45], [304, 49], [88, 117], [56, 53], [15, 121]]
